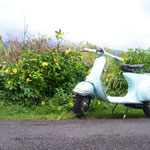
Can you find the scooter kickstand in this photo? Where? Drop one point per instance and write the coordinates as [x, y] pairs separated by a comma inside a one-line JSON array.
[[114, 108], [124, 116]]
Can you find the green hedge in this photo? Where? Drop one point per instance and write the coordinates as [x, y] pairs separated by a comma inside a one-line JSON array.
[[38, 76]]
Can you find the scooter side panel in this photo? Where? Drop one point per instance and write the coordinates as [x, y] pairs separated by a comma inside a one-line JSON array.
[[138, 86], [138, 89], [143, 91]]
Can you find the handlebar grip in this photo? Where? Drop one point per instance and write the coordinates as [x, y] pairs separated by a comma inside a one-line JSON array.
[[89, 50], [84, 51]]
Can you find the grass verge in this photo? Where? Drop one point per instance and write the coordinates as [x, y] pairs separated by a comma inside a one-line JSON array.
[[50, 112]]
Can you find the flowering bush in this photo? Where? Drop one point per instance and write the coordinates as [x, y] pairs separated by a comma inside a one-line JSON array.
[[37, 76]]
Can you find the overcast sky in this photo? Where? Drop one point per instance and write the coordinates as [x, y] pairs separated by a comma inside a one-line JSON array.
[[117, 24]]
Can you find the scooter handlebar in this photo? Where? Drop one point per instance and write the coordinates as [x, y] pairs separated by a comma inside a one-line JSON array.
[[104, 53], [112, 56], [89, 50], [119, 59]]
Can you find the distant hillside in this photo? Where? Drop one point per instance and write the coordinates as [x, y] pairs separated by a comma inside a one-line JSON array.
[[116, 52]]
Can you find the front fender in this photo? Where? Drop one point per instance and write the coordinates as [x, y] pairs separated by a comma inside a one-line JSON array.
[[84, 88]]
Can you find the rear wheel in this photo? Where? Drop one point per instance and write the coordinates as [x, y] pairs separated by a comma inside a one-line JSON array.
[[81, 104], [146, 109]]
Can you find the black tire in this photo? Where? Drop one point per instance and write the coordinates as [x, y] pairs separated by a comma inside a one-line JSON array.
[[81, 104], [146, 109]]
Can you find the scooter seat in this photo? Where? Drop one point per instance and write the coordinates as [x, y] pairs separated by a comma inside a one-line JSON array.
[[130, 68]]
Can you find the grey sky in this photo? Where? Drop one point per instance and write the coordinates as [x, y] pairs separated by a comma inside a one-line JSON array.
[[117, 24]]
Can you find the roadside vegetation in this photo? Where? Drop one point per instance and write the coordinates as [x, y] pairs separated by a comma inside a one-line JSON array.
[[37, 78]]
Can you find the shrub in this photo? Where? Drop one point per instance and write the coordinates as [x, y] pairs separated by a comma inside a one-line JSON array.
[[37, 76], [114, 79], [139, 56]]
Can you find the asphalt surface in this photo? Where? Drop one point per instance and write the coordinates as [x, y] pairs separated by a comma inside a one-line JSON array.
[[85, 134]]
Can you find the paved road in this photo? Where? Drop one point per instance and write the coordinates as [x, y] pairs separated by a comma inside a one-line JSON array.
[[85, 134]]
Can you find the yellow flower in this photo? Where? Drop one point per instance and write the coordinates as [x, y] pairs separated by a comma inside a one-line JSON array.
[[60, 35], [59, 68], [6, 71], [9, 82], [107, 80], [89, 71], [44, 64], [70, 103], [20, 61], [14, 70], [16, 65], [42, 103], [81, 57], [22, 70], [99, 102], [57, 64], [67, 51], [42, 70], [25, 99], [60, 108], [126, 58], [29, 80]]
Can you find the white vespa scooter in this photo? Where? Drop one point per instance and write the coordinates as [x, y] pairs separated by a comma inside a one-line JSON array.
[[138, 95]]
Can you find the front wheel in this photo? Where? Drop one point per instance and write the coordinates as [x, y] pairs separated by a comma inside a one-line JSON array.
[[146, 109], [81, 104]]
